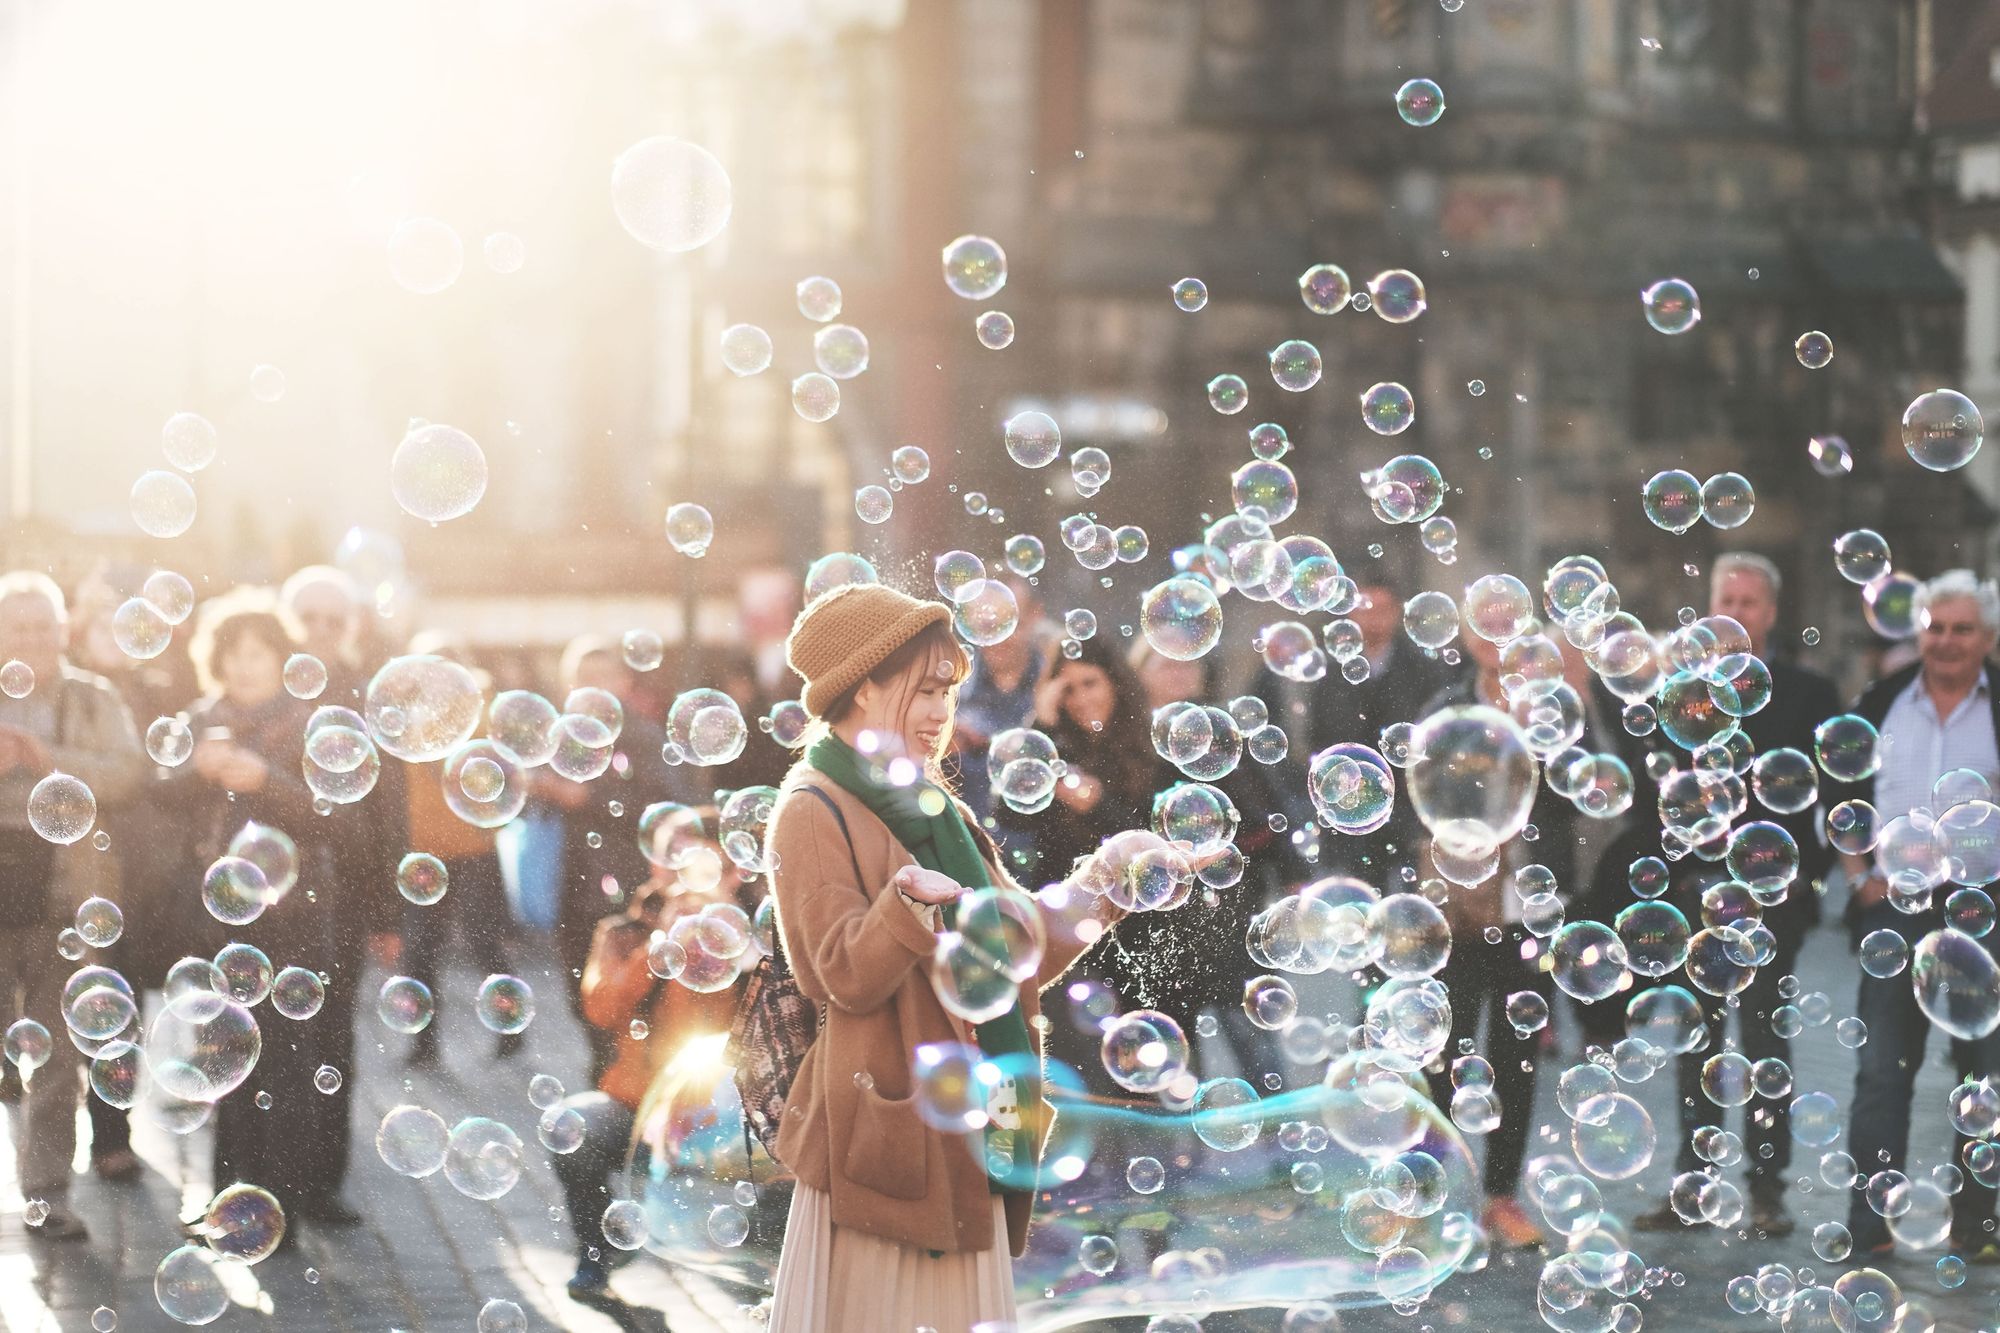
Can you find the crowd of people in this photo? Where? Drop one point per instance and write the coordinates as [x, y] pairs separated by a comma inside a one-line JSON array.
[[226, 677]]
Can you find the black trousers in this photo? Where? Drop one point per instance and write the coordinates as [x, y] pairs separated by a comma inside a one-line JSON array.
[[1767, 1127], [1480, 977]]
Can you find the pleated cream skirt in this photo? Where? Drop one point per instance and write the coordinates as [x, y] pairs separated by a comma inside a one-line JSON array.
[[838, 1280]]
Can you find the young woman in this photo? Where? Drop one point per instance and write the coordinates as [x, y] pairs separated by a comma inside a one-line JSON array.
[[894, 1225]]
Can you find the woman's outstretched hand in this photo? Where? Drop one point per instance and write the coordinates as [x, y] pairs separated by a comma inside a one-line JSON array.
[[926, 886]]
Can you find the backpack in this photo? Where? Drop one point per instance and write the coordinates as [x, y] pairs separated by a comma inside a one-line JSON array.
[[775, 1025]]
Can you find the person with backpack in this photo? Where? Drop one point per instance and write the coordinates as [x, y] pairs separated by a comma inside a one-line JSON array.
[[894, 1224]]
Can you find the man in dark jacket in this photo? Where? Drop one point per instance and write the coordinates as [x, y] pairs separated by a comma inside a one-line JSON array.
[[1745, 588], [1937, 717]]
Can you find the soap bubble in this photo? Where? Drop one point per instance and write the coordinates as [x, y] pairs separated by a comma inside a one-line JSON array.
[[425, 256], [1588, 960], [412, 1141], [746, 349], [1813, 349], [818, 298], [505, 252], [501, 1316], [188, 441], [17, 679], [243, 1222], [1471, 778], [1672, 500], [1847, 747], [1727, 500], [1861, 556], [100, 922], [1144, 1051], [841, 350], [189, 1287], [438, 473], [670, 194], [1398, 294], [1830, 455], [202, 1046], [1942, 430], [1420, 102], [62, 809], [1957, 983], [1228, 394], [816, 397], [482, 1158], [1295, 365], [690, 528], [994, 329], [162, 504], [420, 708], [910, 464], [1889, 605], [1672, 306], [1614, 1141], [987, 614], [404, 1005], [27, 1045], [298, 993], [975, 267], [1325, 289], [1190, 294], [1388, 408], [505, 1004], [1181, 618]]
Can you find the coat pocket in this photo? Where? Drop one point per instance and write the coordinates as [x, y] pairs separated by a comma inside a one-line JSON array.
[[889, 1151]]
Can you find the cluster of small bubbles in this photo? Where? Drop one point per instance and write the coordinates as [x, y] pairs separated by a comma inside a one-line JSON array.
[[1672, 305], [994, 329], [815, 397], [1190, 294], [1830, 455], [1942, 430], [1228, 394], [1420, 102]]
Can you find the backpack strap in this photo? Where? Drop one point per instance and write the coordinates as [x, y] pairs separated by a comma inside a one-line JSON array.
[[833, 808]]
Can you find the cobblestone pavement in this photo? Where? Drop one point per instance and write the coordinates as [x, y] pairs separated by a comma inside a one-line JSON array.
[[426, 1258]]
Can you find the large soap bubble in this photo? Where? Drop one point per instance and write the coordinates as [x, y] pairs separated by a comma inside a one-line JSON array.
[[202, 1046], [1957, 983], [422, 707], [1177, 1252], [1471, 777], [438, 473], [671, 194]]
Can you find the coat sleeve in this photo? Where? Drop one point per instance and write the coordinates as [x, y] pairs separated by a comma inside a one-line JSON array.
[[107, 755], [616, 979], [844, 949]]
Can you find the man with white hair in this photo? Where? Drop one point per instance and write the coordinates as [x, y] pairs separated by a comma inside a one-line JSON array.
[[71, 722], [1940, 716]]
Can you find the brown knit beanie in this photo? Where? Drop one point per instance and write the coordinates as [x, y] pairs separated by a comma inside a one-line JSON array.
[[849, 632]]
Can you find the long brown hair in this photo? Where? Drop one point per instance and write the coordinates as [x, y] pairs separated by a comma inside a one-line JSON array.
[[932, 648]]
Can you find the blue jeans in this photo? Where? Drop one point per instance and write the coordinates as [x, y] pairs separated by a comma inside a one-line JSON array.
[[1879, 1122]]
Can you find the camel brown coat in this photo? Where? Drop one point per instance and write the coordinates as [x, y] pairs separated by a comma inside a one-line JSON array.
[[861, 952]]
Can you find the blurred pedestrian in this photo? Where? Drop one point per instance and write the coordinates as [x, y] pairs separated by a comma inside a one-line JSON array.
[[1746, 588], [1937, 717], [247, 767], [74, 723], [1495, 962], [601, 860], [649, 1017], [999, 694], [1400, 679]]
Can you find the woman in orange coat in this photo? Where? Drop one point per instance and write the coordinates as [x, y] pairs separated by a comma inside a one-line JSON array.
[[651, 1019]]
